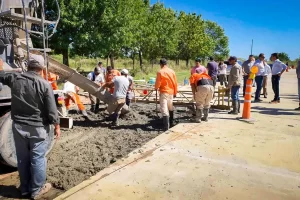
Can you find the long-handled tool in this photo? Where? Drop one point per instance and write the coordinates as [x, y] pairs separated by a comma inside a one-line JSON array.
[[156, 103]]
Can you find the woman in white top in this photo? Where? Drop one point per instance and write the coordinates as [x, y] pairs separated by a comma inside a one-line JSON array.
[[222, 73]]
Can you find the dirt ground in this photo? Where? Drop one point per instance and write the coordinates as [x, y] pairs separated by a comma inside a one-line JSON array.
[[92, 145]]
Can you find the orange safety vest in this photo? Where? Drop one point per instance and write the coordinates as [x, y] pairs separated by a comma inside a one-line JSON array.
[[196, 77], [52, 78], [166, 81]]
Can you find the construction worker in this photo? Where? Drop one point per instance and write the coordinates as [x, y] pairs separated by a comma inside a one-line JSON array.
[[71, 95], [33, 110], [298, 77], [234, 83], [97, 77], [198, 66], [166, 83], [52, 79], [203, 90], [110, 74], [278, 69], [130, 93], [121, 86]]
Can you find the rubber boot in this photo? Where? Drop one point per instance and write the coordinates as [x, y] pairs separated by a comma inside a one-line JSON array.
[[239, 106], [96, 108], [166, 122], [84, 114], [234, 110], [205, 114], [115, 119], [198, 115], [171, 119], [92, 108]]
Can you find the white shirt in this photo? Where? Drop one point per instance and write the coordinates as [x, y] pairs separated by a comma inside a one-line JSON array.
[[277, 67], [98, 78], [222, 68], [69, 87], [261, 67], [268, 70]]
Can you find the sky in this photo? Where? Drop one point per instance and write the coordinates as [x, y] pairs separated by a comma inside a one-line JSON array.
[[274, 25]]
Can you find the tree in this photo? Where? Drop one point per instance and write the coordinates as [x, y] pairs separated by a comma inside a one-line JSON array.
[[220, 40], [161, 34], [193, 42], [284, 57]]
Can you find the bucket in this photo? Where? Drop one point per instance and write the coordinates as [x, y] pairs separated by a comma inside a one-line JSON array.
[[152, 81]]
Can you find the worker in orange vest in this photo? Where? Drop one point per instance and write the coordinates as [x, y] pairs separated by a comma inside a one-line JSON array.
[[110, 74], [71, 95], [166, 83], [203, 90], [52, 79]]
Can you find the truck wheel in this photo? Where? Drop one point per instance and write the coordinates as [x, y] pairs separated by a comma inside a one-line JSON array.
[[7, 144]]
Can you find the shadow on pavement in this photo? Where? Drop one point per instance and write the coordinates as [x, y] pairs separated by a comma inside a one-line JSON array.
[[274, 111]]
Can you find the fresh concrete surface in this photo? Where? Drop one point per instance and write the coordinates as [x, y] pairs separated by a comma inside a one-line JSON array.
[[221, 159]]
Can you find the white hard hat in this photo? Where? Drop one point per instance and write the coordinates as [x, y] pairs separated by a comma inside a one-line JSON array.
[[124, 71]]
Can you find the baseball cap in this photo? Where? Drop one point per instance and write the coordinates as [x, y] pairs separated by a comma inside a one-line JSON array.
[[36, 61], [233, 58], [124, 71]]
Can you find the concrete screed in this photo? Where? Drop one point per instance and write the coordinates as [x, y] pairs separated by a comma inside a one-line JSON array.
[[221, 159]]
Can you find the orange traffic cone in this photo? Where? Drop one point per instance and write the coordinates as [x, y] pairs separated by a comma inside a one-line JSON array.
[[247, 100]]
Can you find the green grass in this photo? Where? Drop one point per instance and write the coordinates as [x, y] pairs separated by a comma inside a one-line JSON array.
[[82, 64]]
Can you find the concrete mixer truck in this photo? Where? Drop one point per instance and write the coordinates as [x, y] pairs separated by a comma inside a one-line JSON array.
[[16, 20]]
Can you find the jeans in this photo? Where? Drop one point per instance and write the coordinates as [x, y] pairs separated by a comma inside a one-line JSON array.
[[245, 82], [235, 93], [259, 83], [275, 86], [31, 147]]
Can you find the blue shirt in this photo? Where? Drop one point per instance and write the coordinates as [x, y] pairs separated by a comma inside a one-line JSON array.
[[277, 67]]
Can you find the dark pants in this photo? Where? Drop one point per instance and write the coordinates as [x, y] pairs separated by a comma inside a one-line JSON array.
[[259, 83], [214, 80], [245, 82], [275, 86]]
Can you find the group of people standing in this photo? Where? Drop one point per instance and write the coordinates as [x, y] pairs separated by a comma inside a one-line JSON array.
[[203, 81]]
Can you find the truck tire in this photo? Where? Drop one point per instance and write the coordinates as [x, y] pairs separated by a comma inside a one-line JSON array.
[[7, 143]]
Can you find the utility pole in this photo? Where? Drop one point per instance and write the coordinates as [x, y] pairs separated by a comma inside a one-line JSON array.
[[251, 46]]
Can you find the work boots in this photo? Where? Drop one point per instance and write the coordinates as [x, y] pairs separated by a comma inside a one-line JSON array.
[[96, 108], [171, 119], [92, 108], [115, 121], [234, 110], [166, 122], [84, 114], [198, 115], [205, 114]]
